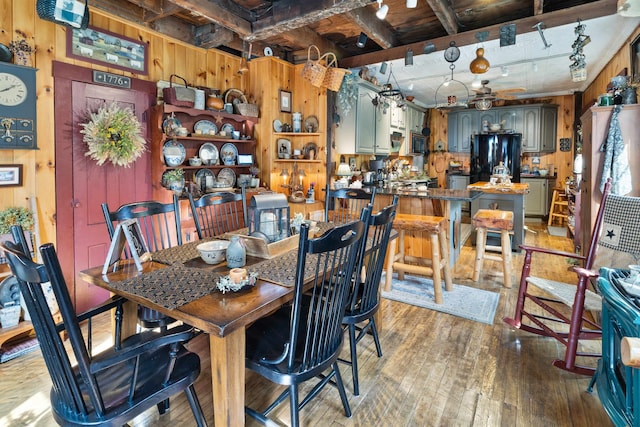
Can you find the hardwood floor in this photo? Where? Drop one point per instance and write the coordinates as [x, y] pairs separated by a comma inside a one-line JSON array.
[[437, 370]]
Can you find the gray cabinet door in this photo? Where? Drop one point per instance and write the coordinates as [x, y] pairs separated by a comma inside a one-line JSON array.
[[490, 116], [531, 129], [452, 132], [467, 126], [365, 123], [511, 119], [535, 203], [382, 131], [548, 131]]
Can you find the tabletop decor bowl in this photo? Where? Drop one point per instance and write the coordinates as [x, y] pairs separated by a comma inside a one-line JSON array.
[[213, 252], [543, 172]]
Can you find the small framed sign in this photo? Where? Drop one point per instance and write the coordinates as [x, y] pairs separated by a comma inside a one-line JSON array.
[[129, 234], [10, 175], [285, 101]]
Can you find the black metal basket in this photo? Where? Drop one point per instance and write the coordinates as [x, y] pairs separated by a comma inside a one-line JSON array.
[[46, 10]]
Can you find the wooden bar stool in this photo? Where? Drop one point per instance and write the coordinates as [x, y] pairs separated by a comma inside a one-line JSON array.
[[493, 220], [437, 266], [559, 206]]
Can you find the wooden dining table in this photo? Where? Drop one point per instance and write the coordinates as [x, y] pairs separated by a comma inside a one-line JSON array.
[[223, 316]]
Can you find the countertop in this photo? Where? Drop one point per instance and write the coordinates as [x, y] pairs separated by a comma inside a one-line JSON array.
[[529, 175], [485, 187], [434, 193]]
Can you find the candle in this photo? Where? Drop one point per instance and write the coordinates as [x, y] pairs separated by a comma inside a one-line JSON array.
[[237, 275]]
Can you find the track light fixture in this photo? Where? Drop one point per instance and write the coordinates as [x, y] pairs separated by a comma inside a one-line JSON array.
[[383, 68], [505, 71], [408, 58], [383, 9], [362, 40], [412, 4]]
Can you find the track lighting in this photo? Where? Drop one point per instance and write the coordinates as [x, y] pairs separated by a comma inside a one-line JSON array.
[[383, 68], [362, 40], [412, 4], [383, 9], [476, 83], [428, 48], [408, 58], [505, 71]]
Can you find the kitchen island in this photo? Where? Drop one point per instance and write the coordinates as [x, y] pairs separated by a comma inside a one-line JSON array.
[[506, 198], [434, 201]]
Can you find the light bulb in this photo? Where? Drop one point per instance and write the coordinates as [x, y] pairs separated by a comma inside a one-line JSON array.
[[476, 83], [383, 9]]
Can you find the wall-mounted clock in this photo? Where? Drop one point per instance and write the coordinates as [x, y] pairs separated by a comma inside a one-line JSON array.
[[17, 107]]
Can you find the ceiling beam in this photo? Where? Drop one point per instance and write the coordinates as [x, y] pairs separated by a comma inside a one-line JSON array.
[[306, 37], [175, 28], [121, 8], [167, 9], [373, 27], [445, 14], [552, 19], [288, 15], [538, 7], [215, 13]]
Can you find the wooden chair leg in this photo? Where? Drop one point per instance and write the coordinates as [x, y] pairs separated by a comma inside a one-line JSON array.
[[400, 255], [553, 207], [481, 240], [506, 258], [435, 264], [390, 259], [444, 250]]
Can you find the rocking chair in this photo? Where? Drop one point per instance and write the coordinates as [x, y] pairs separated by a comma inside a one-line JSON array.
[[612, 245]]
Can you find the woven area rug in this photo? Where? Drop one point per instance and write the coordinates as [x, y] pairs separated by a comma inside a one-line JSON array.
[[463, 301], [18, 347], [557, 231]]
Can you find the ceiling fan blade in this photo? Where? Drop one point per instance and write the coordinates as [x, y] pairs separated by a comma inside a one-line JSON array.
[[504, 96], [512, 90]]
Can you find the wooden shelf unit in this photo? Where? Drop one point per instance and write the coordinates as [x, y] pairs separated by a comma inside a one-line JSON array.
[[188, 117]]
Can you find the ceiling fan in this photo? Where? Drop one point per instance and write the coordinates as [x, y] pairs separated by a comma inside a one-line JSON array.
[[484, 93]]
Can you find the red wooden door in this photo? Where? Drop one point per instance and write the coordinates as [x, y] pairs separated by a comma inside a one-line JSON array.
[[82, 185]]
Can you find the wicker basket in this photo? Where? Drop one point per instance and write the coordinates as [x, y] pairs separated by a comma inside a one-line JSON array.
[[334, 75], [249, 110], [314, 70], [46, 10]]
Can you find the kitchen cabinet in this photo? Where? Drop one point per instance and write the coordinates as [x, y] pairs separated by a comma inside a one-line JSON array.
[[398, 116], [466, 124], [595, 128], [459, 182], [536, 123], [190, 145], [537, 201], [414, 118], [365, 129]]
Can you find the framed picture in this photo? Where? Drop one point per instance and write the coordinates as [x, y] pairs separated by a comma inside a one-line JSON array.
[[285, 101], [127, 234], [635, 57], [10, 175], [106, 48]]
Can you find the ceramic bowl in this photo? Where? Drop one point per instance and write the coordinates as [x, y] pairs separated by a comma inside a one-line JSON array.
[[195, 161], [543, 172], [213, 252], [495, 127]]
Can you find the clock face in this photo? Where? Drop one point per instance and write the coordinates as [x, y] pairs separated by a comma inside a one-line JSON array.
[[13, 91], [452, 53]]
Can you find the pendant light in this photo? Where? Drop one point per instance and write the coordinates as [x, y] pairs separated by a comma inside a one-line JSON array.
[[483, 104], [480, 65], [362, 40]]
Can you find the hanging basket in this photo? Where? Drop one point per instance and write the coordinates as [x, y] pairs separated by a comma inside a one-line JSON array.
[[76, 17], [314, 70], [334, 75]]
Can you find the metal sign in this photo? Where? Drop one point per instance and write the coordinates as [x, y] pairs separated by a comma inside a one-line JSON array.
[[111, 79]]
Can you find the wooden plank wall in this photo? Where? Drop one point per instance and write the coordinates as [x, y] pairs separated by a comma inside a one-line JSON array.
[[210, 68], [268, 76]]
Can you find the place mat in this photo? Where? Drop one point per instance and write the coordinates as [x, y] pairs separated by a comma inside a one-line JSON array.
[[282, 269]]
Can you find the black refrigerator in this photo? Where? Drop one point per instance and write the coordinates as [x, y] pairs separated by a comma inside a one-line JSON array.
[[488, 150]]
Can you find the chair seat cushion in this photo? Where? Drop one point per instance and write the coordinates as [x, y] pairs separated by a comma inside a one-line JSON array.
[[566, 293]]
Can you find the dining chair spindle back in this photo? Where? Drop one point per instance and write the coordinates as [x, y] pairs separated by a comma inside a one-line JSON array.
[[346, 204], [218, 213]]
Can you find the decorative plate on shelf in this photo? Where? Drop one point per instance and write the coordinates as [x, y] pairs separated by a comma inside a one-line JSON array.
[[205, 127], [277, 125], [311, 124], [229, 154], [284, 148], [209, 154], [227, 175], [201, 178], [227, 128], [309, 149], [170, 124], [174, 153]]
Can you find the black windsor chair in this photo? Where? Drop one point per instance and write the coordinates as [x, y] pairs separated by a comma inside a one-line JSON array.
[[364, 299], [302, 340], [160, 226], [346, 204], [117, 384], [218, 213]]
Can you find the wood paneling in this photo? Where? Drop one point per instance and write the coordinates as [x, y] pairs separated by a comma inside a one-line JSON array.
[[211, 68]]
